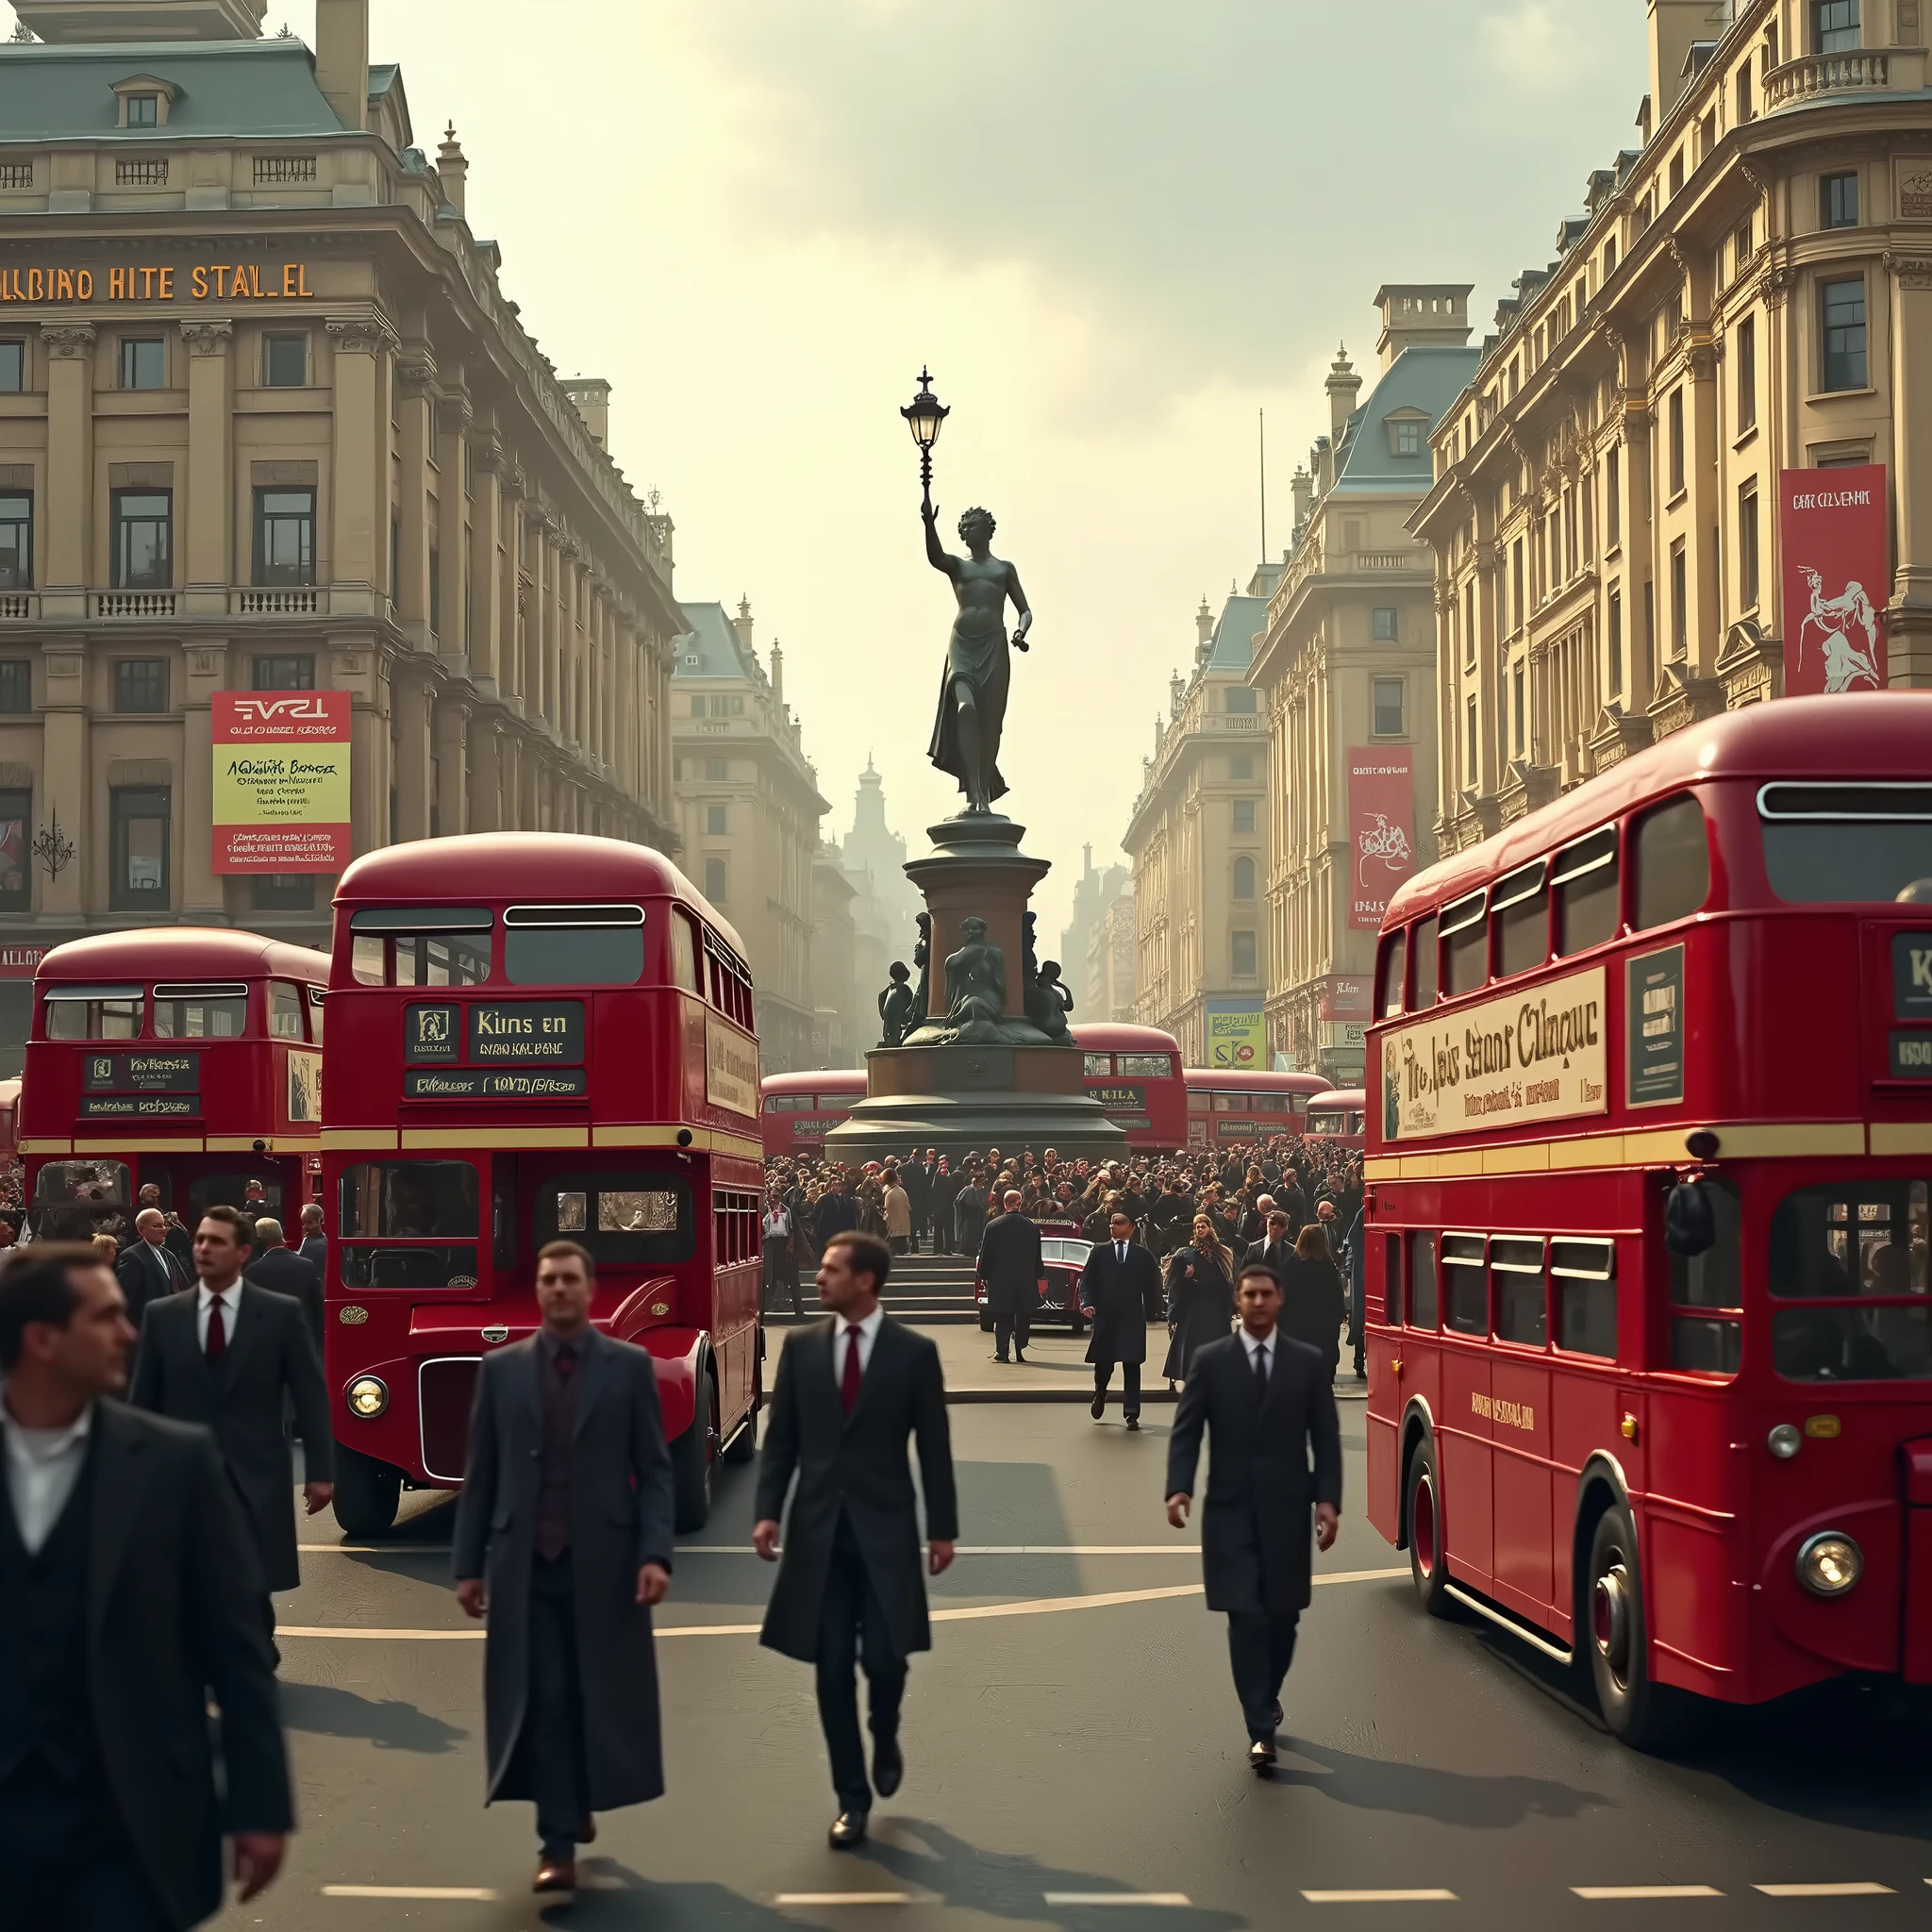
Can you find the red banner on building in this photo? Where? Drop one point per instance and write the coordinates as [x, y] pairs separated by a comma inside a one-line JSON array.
[[1834, 538], [281, 781], [1381, 829]]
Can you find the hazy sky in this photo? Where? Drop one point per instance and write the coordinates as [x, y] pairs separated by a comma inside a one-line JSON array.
[[1114, 229]]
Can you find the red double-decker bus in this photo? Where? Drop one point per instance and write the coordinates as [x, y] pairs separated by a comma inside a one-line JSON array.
[[186, 1059], [1135, 1073], [1342, 1115], [532, 1037], [1650, 1341], [1226, 1106], [798, 1110]]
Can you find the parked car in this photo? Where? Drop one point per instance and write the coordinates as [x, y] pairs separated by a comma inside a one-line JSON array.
[[1062, 1254]]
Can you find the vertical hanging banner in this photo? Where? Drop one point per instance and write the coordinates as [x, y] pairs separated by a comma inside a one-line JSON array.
[[1381, 829], [281, 772], [1834, 538]]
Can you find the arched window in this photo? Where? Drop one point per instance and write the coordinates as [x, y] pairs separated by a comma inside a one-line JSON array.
[[1244, 878], [715, 878]]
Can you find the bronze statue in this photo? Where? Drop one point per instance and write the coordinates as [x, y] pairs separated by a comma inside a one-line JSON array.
[[922, 964], [976, 987], [896, 1006], [972, 686], [1055, 1002]]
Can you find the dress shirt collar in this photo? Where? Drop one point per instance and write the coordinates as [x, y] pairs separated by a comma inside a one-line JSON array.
[[869, 1328], [27, 1446], [1254, 1347], [230, 1297], [551, 1346]]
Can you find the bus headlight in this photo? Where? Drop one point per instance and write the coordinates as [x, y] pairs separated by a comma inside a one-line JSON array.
[[1830, 1563], [1784, 1441], [368, 1397]]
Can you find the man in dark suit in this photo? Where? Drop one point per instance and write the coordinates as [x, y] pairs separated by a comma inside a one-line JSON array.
[[128, 1590], [849, 1394], [279, 1268], [1118, 1277], [1011, 1266], [148, 1271], [1275, 1251], [223, 1354], [916, 1178], [1267, 1400], [1293, 1202], [838, 1211], [564, 1535]]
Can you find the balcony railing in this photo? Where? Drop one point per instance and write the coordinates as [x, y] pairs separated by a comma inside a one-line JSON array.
[[1897, 69], [133, 603], [286, 601], [20, 603]]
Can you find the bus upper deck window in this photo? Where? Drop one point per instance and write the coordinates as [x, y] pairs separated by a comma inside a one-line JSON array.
[[219, 1011], [1521, 912], [1673, 863], [1099, 1065], [1850, 844], [369, 958], [1144, 1066], [684, 953], [574, 945], [94, 1013], [420, 945], [1466, 943], [315, 1010], [284, 1010], [1585, 882], [1425, 954], [1388, 993]]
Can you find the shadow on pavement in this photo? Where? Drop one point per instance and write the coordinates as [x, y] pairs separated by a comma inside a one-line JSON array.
[[1418, 1791], [623, 1899], [330, 1711]]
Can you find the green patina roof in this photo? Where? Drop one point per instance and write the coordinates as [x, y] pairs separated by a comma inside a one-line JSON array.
[[64, 91], [713, 638], [1241, 619], [1428, 377]]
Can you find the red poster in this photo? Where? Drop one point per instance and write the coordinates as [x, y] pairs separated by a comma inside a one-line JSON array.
[[1381, 829], [1834, 538]]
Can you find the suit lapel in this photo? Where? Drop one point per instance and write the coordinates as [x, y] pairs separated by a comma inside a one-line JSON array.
[[119, 1486], [251, 1317], [591, 1362]]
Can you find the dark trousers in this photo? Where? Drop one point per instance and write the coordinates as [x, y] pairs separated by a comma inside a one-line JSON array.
[[554, 1718], [781, 1272], [1261, 1648], [1013, 1328], [1130, 1385], [69, 1863], [851, 1622]]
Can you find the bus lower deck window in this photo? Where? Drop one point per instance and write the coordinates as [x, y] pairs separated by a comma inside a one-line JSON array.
[[1516, 1266], [1422, 1281], [1585, 1276], [1392, 1280], [1711, 1343], [1466, 1301]]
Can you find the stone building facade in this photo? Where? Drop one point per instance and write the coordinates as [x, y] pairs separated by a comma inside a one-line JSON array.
[[1346, 666], [1747, 292], [269, 422]]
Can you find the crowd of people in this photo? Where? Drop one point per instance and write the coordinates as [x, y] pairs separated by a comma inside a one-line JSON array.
[[1294, 1201]]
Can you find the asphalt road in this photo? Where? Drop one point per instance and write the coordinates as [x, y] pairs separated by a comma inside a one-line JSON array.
[[1074, 1739]]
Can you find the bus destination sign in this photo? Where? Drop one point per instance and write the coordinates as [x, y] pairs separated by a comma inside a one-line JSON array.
[[139, 1106], [1541, 1056], [142, 1072], [473, 1083], [549, 1031]]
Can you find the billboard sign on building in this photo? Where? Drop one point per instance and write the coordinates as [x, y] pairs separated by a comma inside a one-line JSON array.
[[281, 772], [1834, 538], [1237, 1035], [1381, 829]]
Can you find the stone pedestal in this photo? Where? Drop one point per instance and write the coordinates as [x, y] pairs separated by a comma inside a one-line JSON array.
[[1016, 1088]]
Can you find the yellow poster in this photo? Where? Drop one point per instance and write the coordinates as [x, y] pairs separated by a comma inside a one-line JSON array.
[[281, 781], [1237, 1039], [731, 1068]]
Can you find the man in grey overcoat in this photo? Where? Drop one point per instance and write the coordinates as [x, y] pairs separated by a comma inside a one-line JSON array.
[[850, 1394], [1270, 1407], [563, 1536]]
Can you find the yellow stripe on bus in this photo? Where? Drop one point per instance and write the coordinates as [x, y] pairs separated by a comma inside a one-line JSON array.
[[1741, 1140], [141, 1144], [359, 1140], [512, 1138]]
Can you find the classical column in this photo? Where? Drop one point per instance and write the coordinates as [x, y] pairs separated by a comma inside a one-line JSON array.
[[210, 518], [451, 726], [410, 706], [1908, 622], [355, 536], [63, 804], [488, 660], [415, 371], [1702, 472], [370, 777], [203, 890], [452, 431], [485, 803], [68, 508]]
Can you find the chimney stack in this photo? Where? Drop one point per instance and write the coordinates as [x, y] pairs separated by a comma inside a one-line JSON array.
[[742, 625], [1676, 26], [1343, 387], [1204, 623], [591, 395], [341, 58], [777, 671], [1422, 313], [1303, 490], [455, 171]]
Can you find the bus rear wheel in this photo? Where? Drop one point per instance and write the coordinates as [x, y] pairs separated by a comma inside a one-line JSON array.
[[690, 1462], [1426, 1565], [1643, 1714], [367, 1493]]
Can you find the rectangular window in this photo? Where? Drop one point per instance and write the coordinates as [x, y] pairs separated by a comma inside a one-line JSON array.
[[1613, 501], [285, 1003], [144, 362], [1701, 1341], [1745, 108], [1616, 644], [1585, 1275], [425, 945], [16, 685], [1585, 881], [12, 367], [1855, 1251], [144, 557], [1747, 374], [716, 819], [1408, 439], [1422, 1281], [1389, 707], [699, 706], [144, 111], [141, 684], [574, 945], [16, 830], [277, 892], [1244, 814], [285, 362], [1241, 957], [1676, 439], [1673, 863], [1834, 25], [16, 543], [1240, 700], [1427, 952], [1465, 1291], [1680, 600], [435, 592], [1385, 623], [139, 848], [1466, 944], [1843, 314], [284, 537], [217, 1011], [1516, 585], [1469, 768], [1521, 912], [1837, 200], [717, 771], [295, 672], [1241, 771], [1522, 706], [1392, 1280], [1522, 1290], [1389, 994], [717, 882], [1747, 546]]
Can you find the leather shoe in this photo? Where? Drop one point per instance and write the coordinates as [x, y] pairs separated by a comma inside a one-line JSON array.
[[1099, 1408], [556, 1875], [888, 1766], [1260, 1757], [848, 1831], [1133, 1424], [1279, 1718]]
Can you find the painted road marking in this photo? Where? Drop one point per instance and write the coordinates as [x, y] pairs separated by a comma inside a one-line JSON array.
[[1029, 1607], [1117, 1898], [854, 1898], [1646, 1891], [1427, 1895], [1857, 1888], [476, 1894]]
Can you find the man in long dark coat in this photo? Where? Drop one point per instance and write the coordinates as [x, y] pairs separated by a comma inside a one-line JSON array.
[[850, 1392], [564, 1535], [1011, 1266], [1119, 1277], [1266, 1400]]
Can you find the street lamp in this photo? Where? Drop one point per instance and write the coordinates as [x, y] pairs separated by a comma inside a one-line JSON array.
[[924, 414]]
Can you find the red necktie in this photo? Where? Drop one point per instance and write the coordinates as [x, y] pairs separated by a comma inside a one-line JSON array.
[[217, 1330], [848, 1385]]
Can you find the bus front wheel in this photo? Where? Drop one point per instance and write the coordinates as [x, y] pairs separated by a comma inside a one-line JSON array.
[[367, 1493], [691, 1461], [1643, 1714], [1426, 1566]]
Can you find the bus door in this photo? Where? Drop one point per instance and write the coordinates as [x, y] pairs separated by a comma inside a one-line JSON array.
[[1463, 1433]]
